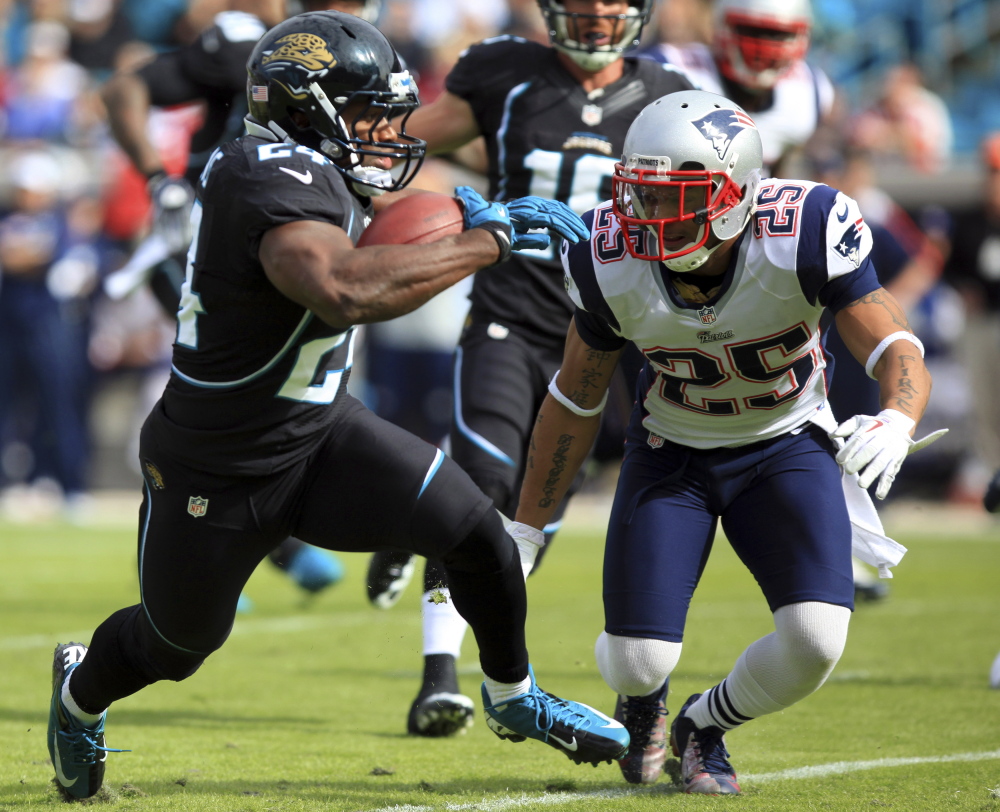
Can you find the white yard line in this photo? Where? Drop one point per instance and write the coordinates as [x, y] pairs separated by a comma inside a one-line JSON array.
[[816, 771]]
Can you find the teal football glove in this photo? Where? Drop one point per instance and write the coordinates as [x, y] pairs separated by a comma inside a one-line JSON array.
[[493, 217], [537, 212]]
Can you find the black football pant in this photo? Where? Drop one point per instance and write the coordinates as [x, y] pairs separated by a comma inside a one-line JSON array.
[[369, 485], [501, 379]]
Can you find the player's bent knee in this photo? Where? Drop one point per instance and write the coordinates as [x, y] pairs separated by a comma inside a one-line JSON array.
[[816, 632], [812, 637], [635, 666], [487, 547], [166, 659], [499, 490]]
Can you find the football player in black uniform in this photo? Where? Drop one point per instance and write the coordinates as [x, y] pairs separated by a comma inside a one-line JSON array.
[[554, 120], [211, 69], [256, 437]]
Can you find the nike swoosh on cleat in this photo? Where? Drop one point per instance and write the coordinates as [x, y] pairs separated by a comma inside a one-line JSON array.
[[843, 217], [570, 745], [58, 763], [306, 177]]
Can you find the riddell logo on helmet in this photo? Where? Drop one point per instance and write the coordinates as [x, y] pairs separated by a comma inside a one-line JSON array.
[[722, 126]]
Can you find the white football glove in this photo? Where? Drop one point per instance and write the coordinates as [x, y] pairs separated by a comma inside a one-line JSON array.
[[878, 445], [172, 199], [529, 541]]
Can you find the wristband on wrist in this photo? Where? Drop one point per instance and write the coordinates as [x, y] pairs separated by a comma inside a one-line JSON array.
[[901, 335], [501, 233], [569, 404]]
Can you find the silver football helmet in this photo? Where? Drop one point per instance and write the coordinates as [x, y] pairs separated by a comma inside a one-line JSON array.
[[567, 32], [688, 156], [756, 41]]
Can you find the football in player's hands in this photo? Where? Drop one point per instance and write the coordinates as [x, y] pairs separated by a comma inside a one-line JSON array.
[[416, 219]]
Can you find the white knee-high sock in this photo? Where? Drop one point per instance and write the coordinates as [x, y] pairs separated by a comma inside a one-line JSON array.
[[635, 666], [443, 627], [779, 669]]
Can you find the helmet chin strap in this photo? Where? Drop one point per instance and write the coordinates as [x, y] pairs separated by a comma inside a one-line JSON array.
[[373, 179], [692, 261]]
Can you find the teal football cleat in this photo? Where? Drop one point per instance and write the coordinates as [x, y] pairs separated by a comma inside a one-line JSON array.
[[585, 735], [314, 569], [77, 750]]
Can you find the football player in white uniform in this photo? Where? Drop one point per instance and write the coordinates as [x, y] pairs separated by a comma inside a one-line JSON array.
[[720, 280], [757, 59]]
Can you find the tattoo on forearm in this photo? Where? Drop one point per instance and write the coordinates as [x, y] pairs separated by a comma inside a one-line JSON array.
[[906, 391], [560, 460]]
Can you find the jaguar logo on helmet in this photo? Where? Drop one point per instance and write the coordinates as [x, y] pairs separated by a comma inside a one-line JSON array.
[[849, 244], [307, 50], [722, 126]]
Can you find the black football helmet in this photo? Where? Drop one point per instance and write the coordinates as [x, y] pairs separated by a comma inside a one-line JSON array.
[[565, 34], [320, 63]]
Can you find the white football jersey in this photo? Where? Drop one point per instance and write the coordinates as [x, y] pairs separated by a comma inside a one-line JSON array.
[[802, 97], [748, 365]]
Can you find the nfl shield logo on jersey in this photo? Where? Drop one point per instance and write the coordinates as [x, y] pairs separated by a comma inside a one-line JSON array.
[[707, 315], [654, 440], [592, 115], [197, 506]]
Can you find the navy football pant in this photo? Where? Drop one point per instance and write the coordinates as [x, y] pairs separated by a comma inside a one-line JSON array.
[[369, 485], [781, 506]]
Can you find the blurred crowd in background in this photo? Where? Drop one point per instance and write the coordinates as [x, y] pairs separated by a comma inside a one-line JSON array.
[[914, 137]]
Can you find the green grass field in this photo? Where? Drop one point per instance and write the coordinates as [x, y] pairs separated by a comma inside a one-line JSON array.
[[305, 706]]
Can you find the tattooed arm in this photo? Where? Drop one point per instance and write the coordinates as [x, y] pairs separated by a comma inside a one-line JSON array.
[[561, 439], [904, 382]]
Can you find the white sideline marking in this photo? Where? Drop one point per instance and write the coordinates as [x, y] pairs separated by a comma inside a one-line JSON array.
[[815, 771]]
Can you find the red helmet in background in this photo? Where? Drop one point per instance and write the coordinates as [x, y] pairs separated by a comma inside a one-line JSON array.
[[757, 41]]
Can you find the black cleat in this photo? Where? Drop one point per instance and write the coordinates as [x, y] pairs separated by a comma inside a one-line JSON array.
[[389, 573], [646, 723]]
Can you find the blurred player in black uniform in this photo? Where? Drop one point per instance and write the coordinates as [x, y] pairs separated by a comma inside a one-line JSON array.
[[554, 119], [256, 437], [211, 69]]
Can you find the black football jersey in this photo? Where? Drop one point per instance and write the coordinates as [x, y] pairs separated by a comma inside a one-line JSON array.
[[547, 137], [213, 68], [255, 376]]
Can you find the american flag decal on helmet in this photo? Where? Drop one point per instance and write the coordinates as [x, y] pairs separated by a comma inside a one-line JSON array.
[[258, 92]]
